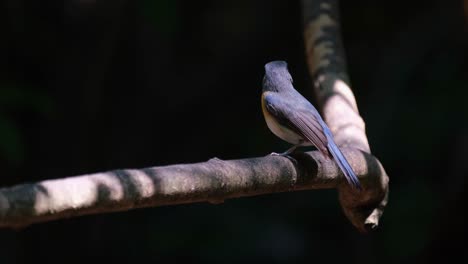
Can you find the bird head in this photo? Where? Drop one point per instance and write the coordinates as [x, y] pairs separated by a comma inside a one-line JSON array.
[[277, 76]]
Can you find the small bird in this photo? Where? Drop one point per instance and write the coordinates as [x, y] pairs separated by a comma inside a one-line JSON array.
[[295, 120]]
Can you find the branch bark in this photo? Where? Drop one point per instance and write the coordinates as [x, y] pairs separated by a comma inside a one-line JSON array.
[[217, 180], [327, 67], [212, 181]]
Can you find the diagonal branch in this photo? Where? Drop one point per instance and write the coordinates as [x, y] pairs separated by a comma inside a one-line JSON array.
[[327, 66]]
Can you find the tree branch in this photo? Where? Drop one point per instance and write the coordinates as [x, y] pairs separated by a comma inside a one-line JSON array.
[[212, 181], [327, 67]]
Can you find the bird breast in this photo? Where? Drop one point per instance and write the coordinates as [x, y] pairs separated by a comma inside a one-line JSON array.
[[281, 131]]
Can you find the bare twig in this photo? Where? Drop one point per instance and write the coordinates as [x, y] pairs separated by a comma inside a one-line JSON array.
[[325, 57]]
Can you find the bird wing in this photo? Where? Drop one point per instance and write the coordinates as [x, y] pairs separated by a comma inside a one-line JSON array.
[[301, 118], [306, 122], [309, 127]]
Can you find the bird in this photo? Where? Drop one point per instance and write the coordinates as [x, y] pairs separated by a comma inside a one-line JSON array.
[[295, 120]]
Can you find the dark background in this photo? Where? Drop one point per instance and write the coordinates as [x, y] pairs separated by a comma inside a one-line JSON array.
[[88, 86]]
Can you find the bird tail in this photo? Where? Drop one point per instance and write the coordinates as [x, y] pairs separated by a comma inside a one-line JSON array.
[[344, 165]]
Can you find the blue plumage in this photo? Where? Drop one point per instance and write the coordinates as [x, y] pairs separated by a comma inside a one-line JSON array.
[[294, 119], [341, 160]]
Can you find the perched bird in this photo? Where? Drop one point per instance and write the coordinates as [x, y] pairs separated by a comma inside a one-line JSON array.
[[295, 120]]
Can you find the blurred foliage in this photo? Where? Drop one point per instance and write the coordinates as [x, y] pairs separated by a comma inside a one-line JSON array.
[[162, 14], [11, 147], [14, 100]]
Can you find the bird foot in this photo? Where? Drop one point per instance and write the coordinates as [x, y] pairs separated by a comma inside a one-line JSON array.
[[276, 154], [284, 154]]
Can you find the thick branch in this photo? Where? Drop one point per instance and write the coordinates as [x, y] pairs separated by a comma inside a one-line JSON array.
[[325, 58], [212, 181]]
